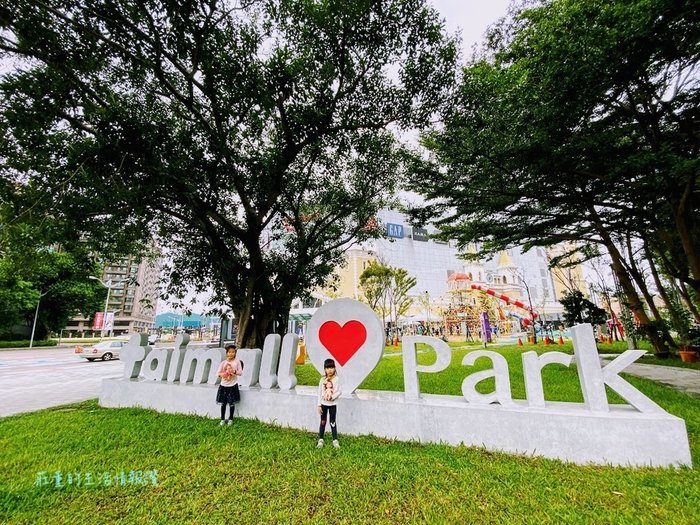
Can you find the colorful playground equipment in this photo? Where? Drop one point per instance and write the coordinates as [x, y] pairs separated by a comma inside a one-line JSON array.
[[504, 298]]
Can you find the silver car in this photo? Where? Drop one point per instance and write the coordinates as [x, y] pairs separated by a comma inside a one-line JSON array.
[[105, 350]]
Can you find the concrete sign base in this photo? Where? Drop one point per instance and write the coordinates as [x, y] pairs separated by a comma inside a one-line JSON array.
[[566, 431]]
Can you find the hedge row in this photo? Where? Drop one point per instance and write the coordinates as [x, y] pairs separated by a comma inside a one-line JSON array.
[[25, 343]]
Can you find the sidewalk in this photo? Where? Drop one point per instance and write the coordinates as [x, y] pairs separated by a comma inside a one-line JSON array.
[[683, 379]]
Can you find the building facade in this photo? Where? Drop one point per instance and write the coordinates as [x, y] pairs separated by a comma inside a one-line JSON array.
[[133, 298], [525, 275]]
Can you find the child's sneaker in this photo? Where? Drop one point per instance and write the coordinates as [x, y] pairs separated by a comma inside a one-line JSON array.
[[336, 444], [230, 422], [319, 444], [222, 423]]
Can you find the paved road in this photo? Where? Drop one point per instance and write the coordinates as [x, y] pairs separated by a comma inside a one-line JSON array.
[[36, 379]]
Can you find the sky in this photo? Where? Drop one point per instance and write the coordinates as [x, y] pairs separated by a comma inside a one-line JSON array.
[[470, 17]]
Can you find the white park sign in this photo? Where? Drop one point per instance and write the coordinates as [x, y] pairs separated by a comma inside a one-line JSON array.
[[183, 380]]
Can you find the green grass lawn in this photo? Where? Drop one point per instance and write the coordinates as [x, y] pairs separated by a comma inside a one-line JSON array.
[[255, 473]]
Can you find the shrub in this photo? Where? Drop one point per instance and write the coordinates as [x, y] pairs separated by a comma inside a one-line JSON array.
[[25, 343]]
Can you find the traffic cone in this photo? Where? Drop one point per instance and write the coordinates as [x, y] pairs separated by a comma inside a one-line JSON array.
[[561, 340], [396, 341], [610, 340], [546, 341], [520, 342]]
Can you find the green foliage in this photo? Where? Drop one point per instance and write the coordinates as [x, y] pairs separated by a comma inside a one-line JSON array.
[[578, 309], [374, 283], [58, 281], [16, 297], [386, 289], [35, 270], [25, 343], [250, 139], [578, 122], [677, 316], [401, 285], [694, 336]]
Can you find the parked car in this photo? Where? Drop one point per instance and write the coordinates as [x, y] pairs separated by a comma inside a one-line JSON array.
[[153, 339], [105, 350]]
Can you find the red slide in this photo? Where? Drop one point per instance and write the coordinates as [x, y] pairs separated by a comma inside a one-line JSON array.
[[504, 298]]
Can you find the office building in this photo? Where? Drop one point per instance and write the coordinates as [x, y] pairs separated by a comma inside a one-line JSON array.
[[133, 298]]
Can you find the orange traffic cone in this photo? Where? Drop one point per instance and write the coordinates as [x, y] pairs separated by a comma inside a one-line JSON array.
[[610, 340], [520, 342], [396, 341], [546, 341], [561, 340]]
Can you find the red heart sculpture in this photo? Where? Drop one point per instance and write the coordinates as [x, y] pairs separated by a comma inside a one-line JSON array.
[[342, 342]]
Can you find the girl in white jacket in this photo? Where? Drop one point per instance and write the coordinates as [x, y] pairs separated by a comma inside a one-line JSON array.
[[328, 393]]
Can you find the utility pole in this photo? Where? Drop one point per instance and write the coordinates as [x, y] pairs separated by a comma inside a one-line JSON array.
[[36, 314], [107, 284], [532, 313]]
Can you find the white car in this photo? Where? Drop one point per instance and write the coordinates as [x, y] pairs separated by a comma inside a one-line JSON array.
[[105, 350]]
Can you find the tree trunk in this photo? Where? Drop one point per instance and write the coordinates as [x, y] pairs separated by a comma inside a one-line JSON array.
[[634, 272], [633, 300], [684, 216], [283, 306], [689, 302], [254, 324], [662, 291]]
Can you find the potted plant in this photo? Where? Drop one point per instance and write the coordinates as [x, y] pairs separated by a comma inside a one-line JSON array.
[[680, 320]]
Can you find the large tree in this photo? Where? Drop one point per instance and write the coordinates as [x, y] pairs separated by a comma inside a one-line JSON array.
[[251, 137], [36, 271], [578, 122]]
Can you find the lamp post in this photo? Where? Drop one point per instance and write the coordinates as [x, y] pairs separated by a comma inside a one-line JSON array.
[[427, 312], [108, 285], [532, 314], [36, 314]]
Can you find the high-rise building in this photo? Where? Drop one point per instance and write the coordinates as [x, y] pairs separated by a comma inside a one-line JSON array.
[[133, 298]]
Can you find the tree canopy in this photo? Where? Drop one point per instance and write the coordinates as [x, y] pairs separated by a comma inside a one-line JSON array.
[[34, 270], [579, 122], [578, 309], [386, 290], [251, 138]]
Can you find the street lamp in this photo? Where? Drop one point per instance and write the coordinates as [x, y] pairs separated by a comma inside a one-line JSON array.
[[107, 285], [532, 313], [427, 310], [36, 314]]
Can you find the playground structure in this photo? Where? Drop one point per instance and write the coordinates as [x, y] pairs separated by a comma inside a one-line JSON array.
[[467, 301], [505, 299]]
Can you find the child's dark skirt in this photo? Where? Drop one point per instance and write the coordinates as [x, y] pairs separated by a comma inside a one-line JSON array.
[[228, 395]]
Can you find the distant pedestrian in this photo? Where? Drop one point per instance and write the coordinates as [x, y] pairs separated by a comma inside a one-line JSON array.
[[328, 393], [228, 393]]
